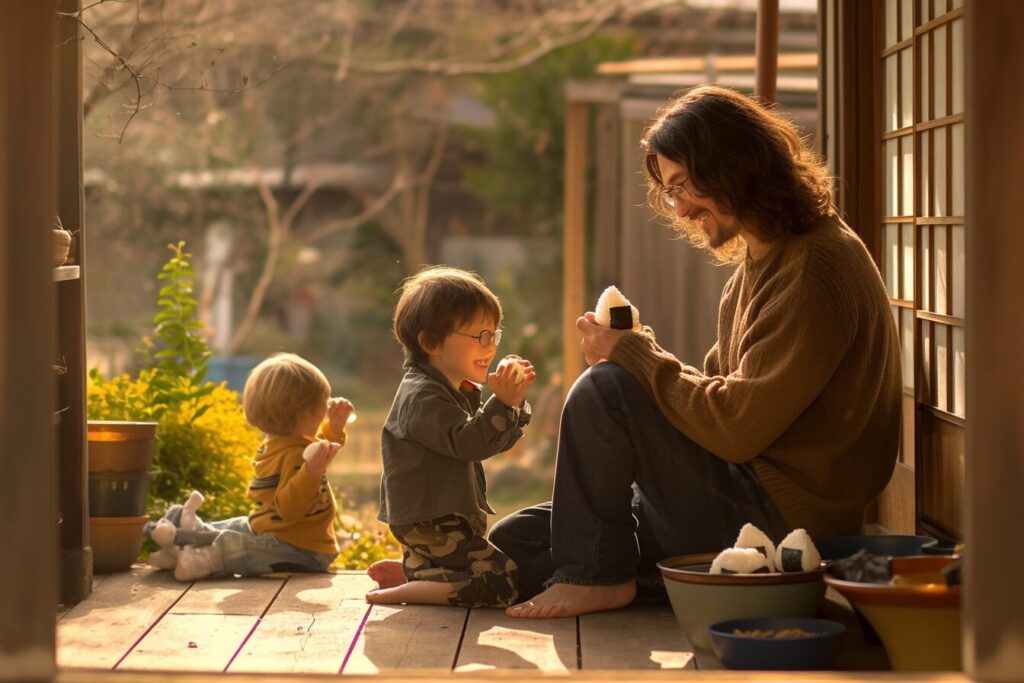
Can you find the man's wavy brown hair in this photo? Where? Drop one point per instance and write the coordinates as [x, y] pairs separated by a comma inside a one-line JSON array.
[[747, 158]]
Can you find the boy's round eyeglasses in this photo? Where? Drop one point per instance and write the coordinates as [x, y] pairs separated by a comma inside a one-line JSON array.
[[486, 338], [675, 193]]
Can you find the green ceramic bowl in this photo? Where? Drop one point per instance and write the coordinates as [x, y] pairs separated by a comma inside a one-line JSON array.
[[700, 599]]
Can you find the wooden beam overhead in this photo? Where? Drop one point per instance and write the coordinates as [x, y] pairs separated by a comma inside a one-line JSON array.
[[796, 61]]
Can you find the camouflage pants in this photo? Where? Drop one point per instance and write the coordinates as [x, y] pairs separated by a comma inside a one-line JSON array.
[[452, 549]]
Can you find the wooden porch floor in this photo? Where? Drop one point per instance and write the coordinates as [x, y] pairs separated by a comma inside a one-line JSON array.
[[144, 620], [141, 625]]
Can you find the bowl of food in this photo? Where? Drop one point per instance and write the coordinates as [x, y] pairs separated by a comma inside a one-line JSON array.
[[700, 598], [892, 545], [778, 644], [916, 613]]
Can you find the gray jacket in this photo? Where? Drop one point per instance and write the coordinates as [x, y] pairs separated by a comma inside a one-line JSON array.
[[432, 444]]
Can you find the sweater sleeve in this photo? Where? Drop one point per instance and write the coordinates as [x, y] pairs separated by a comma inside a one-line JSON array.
[[787, 356]]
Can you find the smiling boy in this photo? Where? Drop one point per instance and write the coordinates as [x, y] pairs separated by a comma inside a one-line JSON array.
[[432, 492]]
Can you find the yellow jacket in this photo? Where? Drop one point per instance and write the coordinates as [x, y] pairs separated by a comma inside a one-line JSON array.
[[292, 503]]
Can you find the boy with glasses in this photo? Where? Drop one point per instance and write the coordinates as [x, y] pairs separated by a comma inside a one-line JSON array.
[[435, 437]]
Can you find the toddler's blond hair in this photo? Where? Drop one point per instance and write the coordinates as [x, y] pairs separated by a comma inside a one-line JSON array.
[[282, 389]]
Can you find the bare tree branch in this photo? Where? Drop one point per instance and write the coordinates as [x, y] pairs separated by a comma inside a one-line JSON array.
[[545, 46], [121, 60], [278, 232]]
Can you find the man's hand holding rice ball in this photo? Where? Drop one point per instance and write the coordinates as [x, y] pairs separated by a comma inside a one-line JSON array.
[[601, 329]]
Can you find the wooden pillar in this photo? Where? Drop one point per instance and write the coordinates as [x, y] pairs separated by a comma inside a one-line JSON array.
[[28, 577], [76, 555], [993, 620], [767, 49], [856, 119], [574, 237]]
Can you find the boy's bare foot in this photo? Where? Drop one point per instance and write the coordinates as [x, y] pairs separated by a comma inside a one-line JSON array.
[[569, 600], [387, 573], [412, 592]]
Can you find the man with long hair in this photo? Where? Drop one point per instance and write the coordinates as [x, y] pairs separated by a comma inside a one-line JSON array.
[[794, 420]]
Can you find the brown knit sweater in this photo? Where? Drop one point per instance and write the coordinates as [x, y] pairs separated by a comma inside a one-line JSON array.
[[803, 384]]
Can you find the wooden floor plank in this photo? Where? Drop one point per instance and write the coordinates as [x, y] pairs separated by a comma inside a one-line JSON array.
[[310, 626], [98, 631], [531, 677], [205, 629], [97, 579], [495, 641], [407, 637], [637, 637]]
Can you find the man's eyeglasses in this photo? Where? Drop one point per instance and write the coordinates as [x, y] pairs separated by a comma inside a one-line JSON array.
[[486, 338], [676, 193]]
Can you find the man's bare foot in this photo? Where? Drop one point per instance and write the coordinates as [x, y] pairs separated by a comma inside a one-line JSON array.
[[569, 600], [387, 573], [412, 592]]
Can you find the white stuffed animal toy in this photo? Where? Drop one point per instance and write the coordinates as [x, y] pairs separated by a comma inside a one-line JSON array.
[[178, 518]]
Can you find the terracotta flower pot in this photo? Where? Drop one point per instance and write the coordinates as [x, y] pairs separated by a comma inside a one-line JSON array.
[[115, 541], [120, 456]]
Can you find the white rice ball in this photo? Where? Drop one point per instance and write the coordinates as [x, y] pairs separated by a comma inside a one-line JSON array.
[[797, 553], [752, 537], [515, 369], [611, 298], [740, 561]]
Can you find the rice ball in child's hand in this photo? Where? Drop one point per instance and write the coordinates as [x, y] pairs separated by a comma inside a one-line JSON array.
[[740, 561], [797, 553], [614, 311], [752, 537], [312, 449], [515, 369]]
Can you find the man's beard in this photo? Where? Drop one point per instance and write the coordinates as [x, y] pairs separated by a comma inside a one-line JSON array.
[[725, 247]]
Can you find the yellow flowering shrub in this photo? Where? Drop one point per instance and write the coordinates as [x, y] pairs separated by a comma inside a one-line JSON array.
[[361, 543], [211, 453]]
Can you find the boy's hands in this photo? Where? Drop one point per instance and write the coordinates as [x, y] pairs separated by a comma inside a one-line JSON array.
[[502, 382], [318, 456], [338, 411]]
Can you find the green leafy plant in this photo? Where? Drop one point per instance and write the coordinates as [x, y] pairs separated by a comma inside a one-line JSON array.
[[178, 352]]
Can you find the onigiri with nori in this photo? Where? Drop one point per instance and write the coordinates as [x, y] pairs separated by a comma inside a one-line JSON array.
[[752, 537], [740, 561], [797, 553]]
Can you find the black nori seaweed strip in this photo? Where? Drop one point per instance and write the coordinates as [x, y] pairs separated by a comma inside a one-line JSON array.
[[792, 560], [621, 317], [761, 570]]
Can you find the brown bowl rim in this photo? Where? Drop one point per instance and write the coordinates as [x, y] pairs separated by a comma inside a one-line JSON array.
[[887, 595], [676, 569]]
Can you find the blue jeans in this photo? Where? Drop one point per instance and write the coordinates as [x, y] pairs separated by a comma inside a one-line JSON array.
[[630, 490], [251, 554]]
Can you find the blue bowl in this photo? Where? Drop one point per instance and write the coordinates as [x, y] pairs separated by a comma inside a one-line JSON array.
[[940, 548], [818, 651], [880, 544]]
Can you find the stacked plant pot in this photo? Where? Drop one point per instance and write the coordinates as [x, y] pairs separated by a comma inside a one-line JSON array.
[[120, 457]]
